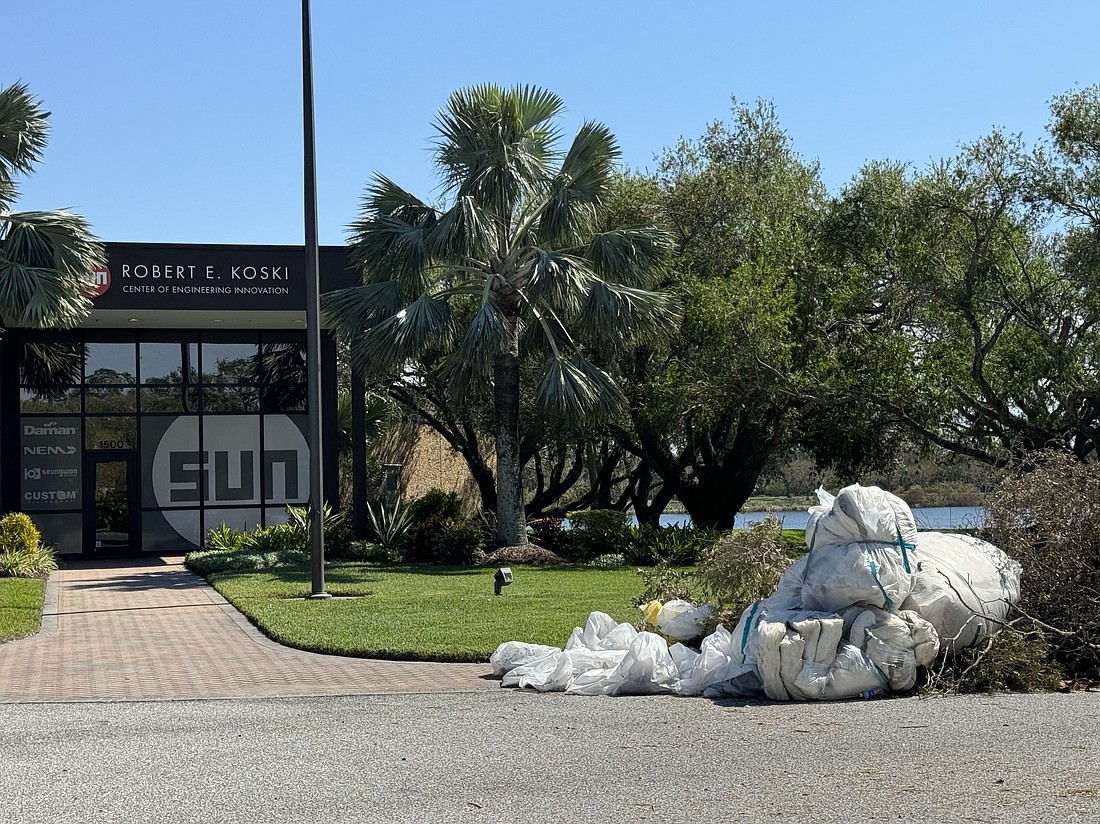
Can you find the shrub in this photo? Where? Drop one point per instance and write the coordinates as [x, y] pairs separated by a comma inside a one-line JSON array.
[[22, 553], [436, 504], [209, 561], [743, 566], [679, 545], [597, 532], [275, 538], [550, 533], [224, 538], [391, 527], [1046, 514], [662, 582], [337, 531], [458, 544], [17, 531]]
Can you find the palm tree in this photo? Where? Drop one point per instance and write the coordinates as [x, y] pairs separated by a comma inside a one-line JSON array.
[[46, 258], [519, 260]]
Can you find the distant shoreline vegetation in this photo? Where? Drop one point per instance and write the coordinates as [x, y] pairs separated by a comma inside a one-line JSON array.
[[933, 495]]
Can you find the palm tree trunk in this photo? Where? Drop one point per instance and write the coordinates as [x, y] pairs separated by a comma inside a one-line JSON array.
[[511, 522]]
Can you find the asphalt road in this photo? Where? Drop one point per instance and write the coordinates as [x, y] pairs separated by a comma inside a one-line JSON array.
[[512, 756]]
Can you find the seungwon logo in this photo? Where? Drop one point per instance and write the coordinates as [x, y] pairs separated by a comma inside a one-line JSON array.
[[102, 281], [33, 474]]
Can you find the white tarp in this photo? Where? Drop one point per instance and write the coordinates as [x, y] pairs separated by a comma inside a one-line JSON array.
[[871, 601]]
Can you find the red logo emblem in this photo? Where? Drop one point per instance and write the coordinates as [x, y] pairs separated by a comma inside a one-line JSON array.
[[102, 278]]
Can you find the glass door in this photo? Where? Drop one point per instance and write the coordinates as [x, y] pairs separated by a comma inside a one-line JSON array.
[[111, 514]]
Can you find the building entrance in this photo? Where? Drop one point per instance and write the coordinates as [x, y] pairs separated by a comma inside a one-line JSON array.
[[112, 524]]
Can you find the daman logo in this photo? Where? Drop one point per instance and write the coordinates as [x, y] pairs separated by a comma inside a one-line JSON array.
[[50, 428]]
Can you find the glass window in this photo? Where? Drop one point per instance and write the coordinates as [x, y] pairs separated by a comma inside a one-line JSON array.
[[174, 471], [110, 433], [168, 363], [110, 363], [231, 362], [169, 399], [110, 400], [242, 519], [173, 530], [61, 531], [284, 397], [49, 362], [51, 400], [230, 399]]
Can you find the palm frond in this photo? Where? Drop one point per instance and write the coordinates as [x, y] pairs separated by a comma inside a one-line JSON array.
[[547, 336], [613, 312], [426, 322], [579, 185], [392, 239], [495, 144], [46, 265], [358, 307], [576, 390], [46, 365], [472, 361], [465, 232], [23, 130], [558, 280], [631, 255], [384, 345]]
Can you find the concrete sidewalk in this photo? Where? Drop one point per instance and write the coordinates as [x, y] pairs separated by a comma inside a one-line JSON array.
[[148, 629]]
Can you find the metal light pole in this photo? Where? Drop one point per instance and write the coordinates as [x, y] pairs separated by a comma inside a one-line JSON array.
[[313, 321]]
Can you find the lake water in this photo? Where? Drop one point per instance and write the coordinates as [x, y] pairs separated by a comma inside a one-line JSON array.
[[931, 517]]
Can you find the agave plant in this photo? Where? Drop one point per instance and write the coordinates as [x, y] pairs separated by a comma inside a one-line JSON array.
[[392, 526]]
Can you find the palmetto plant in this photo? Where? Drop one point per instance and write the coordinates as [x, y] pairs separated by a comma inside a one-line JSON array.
[[46, 258], [519, 260]]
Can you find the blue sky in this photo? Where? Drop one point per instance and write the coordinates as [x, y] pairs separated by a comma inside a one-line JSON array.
[[181, 121]]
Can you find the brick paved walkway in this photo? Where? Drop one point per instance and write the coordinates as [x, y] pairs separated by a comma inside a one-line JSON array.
[[149, 629]]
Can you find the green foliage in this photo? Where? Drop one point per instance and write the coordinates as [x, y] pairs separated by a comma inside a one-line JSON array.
[[224, 538], [272, 539], [392, 526], [459, 544], [22, 553], [334, 525], [48, 256], [210, 561], [596, 532], [550, 533], [663, 582], [678, 545], [743, 566], [520, 264], [435, 503], [17, 531]]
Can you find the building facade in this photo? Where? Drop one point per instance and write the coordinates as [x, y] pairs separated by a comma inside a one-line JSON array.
[[178, 405]]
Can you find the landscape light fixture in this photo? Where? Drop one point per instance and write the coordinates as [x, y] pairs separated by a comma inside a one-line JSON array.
[[502, 578]]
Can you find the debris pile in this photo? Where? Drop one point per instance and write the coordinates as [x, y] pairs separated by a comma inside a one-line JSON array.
[[870, 602]]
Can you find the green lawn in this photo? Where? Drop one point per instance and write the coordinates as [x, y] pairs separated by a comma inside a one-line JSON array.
[[20, 607], [427, 613]]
